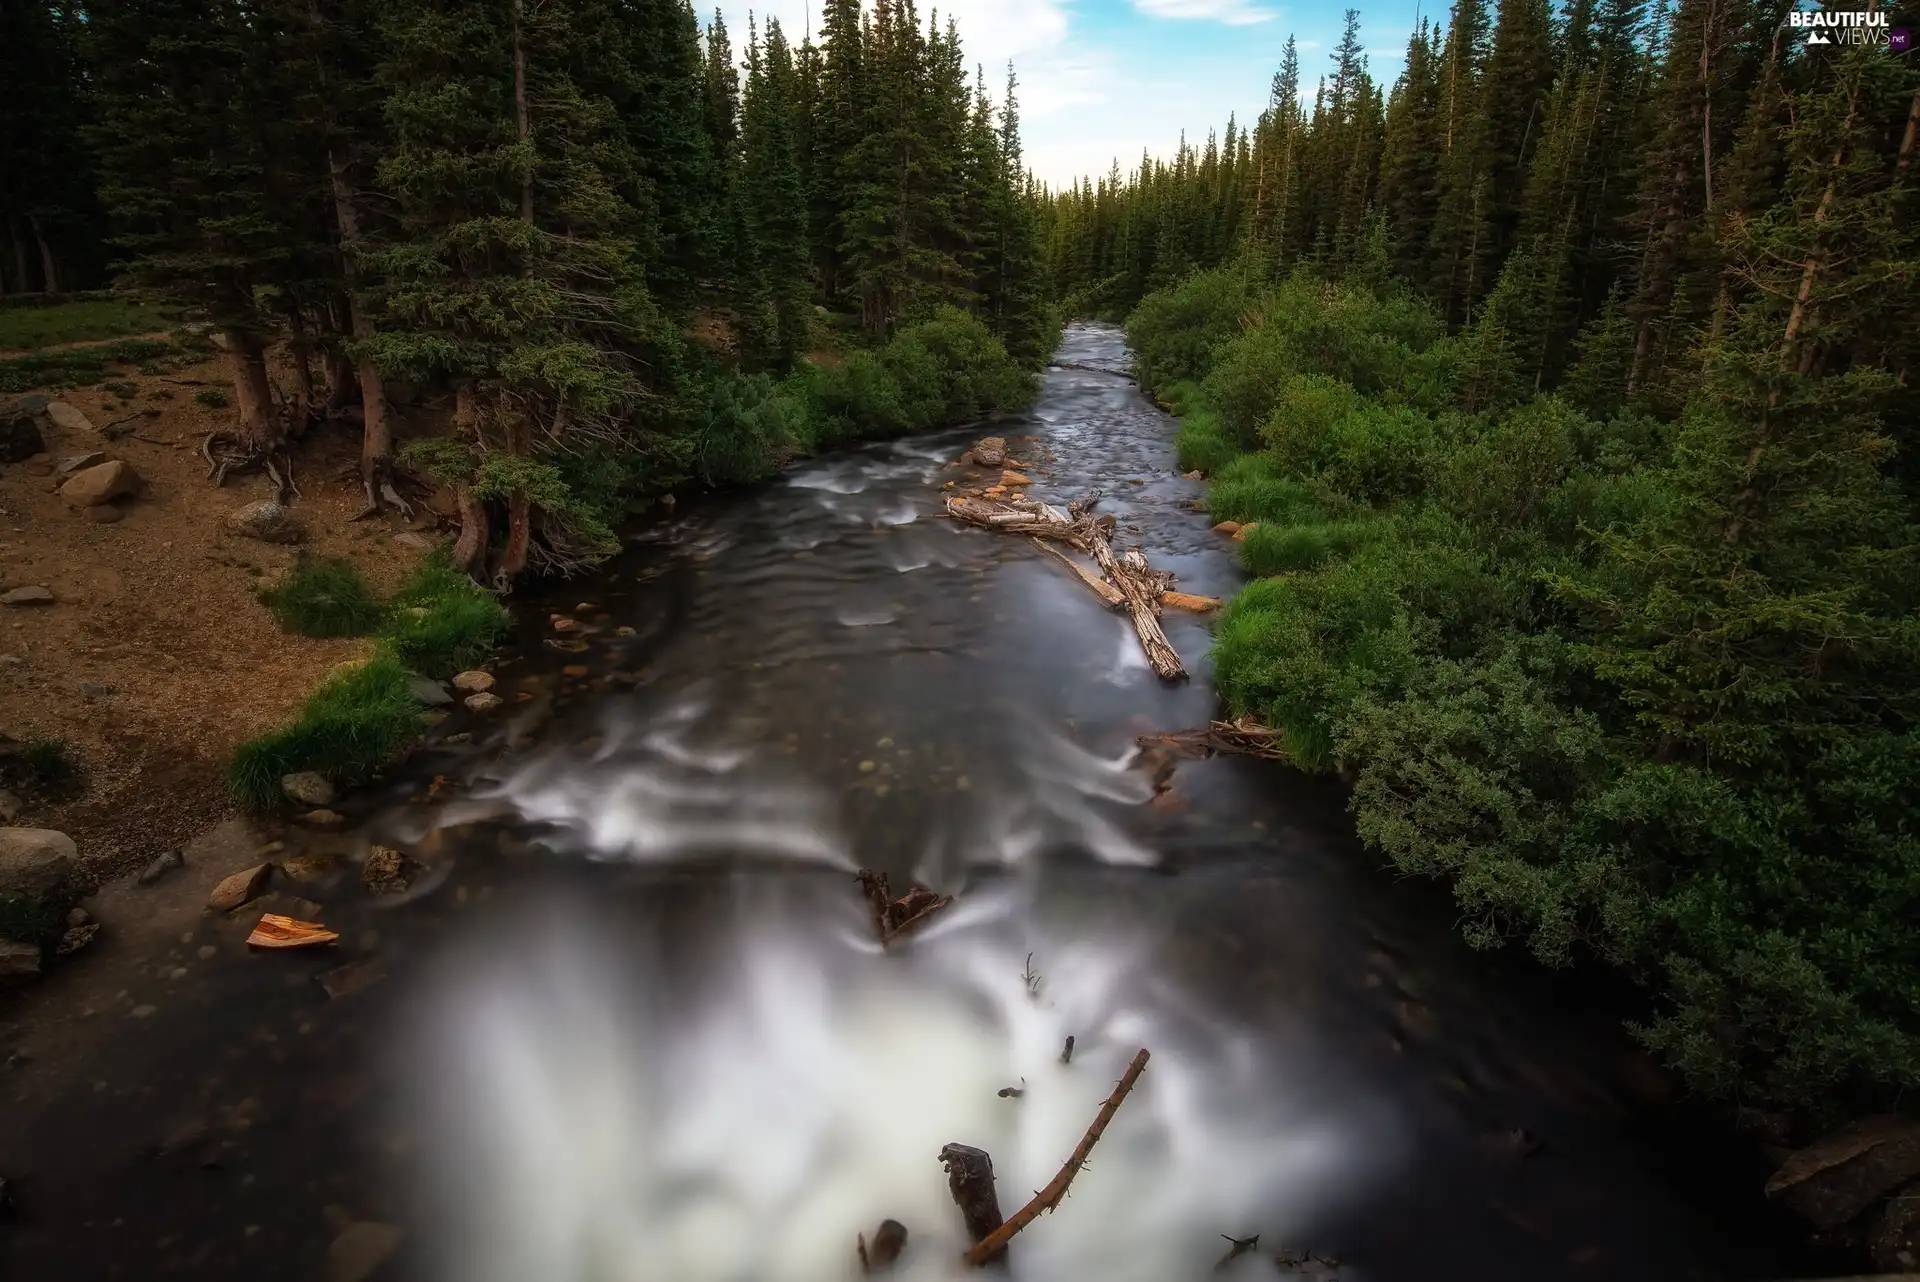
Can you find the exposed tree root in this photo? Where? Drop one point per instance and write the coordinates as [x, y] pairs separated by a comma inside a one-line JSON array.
[[228, 453], [1243, 736]]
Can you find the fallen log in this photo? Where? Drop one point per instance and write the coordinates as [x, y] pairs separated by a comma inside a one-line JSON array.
[[1049, 1197], [1012, 516], [1243, 736], [1114, 598], [1189, 602], [1141, 586], [970, 1180]]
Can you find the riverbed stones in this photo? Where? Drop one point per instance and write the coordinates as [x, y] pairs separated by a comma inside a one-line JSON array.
[[324, 818], [1227, 527], [68, 418], [473, 682], [387, 872], [990, 451], [20, 438], [1833, 1180], [430, 693], [28, 596], [1241, 535], [483, 702], [239, 888], [308, 788], [161, 866], [101, 483], [267, 521], [1011, 477]]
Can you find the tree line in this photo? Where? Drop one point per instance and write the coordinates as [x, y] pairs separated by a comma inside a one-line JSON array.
[[1566, 388], [532, 206]]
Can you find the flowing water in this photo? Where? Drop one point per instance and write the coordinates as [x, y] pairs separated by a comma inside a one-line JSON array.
[[636, 1027]]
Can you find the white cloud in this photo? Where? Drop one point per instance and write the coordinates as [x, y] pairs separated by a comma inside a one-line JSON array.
[[1235, 13]]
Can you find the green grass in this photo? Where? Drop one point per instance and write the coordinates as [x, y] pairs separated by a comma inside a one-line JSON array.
[[214, 398], [31, 328], [324, 597], [1273, 548], [1204, 443], [459, 627], [1251, 488], [352, 725], [84, 366], [50, 762]]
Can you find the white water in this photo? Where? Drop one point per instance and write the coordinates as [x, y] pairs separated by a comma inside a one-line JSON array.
[[598, 1111]]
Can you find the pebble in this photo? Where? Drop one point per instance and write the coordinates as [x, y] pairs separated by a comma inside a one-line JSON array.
[[142, 1011], [308, 787], [27, 596], [239, 888], [474, 681], [323, 818], [483, 702]]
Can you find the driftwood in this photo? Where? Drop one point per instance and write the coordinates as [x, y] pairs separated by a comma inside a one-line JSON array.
[[1049, 1197], [1243, 736], [970, 1180], [1113, 597], [1126, 581], [894, 917], [1189, 602]]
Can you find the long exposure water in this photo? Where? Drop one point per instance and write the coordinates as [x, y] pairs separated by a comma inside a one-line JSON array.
[[635, 1027]]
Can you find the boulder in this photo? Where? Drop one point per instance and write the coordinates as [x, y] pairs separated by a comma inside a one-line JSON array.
[[991, 451], [473, 682], [18, 961], [67, 418], [308, 787], [31, 403], [81, 462], [267, 521], [431, 693], [239, 888], [483, 702], [101, 483], [27, 596], [37, 888], [20, 439], [1830, 1182]]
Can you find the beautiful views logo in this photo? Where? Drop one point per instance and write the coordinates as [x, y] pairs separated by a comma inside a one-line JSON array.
[[1848, 27]]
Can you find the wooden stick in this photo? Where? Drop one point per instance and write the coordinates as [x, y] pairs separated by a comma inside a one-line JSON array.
[[1049, 1197], [1188, 601], [970, 1180], [1114, 598]]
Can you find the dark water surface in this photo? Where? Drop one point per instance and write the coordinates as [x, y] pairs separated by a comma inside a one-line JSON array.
[[632, 1027]]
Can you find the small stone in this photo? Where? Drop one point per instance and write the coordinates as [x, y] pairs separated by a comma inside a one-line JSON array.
[[1194, 475], [431, 693], [27, 596], [386, 871], [205, 951], [1240, 535], [434, 716], [308, 787], [623, 631], [20, 438], [97, 689], [143, 1010], [323, 818], [239, 888], [1015, 478], [359, 1250], [10, 806], [867, 767], [81, 462], [18, 961], [105, 514], [310, 870], [473, 682], [77, 916], [465, 736], [76, 938], [1227, 527], [101, 483], [561, 623], [483, 702], [161, 866], [267, 521], [67, 418], [575, 670], [412, 540]]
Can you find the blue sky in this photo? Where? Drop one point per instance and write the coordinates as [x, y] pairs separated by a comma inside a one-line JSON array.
[[1104, 78]]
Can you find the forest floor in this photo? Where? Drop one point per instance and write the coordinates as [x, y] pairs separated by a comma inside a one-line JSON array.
[[155, 658]]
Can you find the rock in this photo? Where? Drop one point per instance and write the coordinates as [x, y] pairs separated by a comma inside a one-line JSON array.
[[266, 521], [311, 870], [67, 418], [81, 462], [323, 818], [101, 483], [483, 702], [1227, 527], [1833, 1180], [161, 866], [345, 981], [473, 682], [239, 888], [966, 460], [308, 787], [10, 806], [1240, 535], [575, 670], [1015, 478], [76, 938], [105, 514], [387, 871], [18, 961], [434, 716], [431, 693], [97, 689], [1195, 475], [991, 452], [1894, 1240], [36, 866], [413, 540], [26, 596], [359, 1249], [32, 403], [561, 623], [20, 439]]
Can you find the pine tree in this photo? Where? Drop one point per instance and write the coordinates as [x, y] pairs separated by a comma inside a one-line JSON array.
[[1410, 150], [774, 193], [53, 222]]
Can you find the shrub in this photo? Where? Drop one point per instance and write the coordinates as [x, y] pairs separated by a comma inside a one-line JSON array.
[[1252, 488], [324, 597], [1175, 332], [214, 398], [352, 725], [49, 762], [1204, 444], [744, 432], [1305, 408]]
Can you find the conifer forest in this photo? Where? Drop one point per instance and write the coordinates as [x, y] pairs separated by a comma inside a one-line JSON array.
[[1557, 397]]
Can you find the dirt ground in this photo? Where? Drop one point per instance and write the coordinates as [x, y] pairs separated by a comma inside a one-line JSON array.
[[156, 658]]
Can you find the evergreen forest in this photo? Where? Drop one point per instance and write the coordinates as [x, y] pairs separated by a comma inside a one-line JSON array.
[[606, 233], [1565, 387]]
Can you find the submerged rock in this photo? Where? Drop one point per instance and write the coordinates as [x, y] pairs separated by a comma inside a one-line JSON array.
[[161, 866], [308, 787], [239, 888], [474, 681], [1830, 1182]]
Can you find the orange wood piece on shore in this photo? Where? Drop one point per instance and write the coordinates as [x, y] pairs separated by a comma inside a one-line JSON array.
[[275, 931]]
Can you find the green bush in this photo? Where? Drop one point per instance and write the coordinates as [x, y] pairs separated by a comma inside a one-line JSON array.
[[324, 597], [1251, 487], [1175, 332], [351, 726], [1204, 444], [439, 623], [1273, 548], [49, 762]]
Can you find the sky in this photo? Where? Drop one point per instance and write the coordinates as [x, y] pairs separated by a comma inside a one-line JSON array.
[[1101, 79]]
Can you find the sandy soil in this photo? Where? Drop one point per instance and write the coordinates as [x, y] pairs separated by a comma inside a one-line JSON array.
[[156, 658]]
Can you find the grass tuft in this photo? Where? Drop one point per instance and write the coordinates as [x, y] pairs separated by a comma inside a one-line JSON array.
[[439, 622], [324, 597], [50, 762], [352, 725]]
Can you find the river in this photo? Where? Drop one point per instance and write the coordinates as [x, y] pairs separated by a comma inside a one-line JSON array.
[[634, 1025]]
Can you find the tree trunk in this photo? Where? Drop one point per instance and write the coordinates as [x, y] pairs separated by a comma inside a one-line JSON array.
[[302, 350], [513, 557], [252, 392], [470, 549], [343, 381], [49, 270]]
